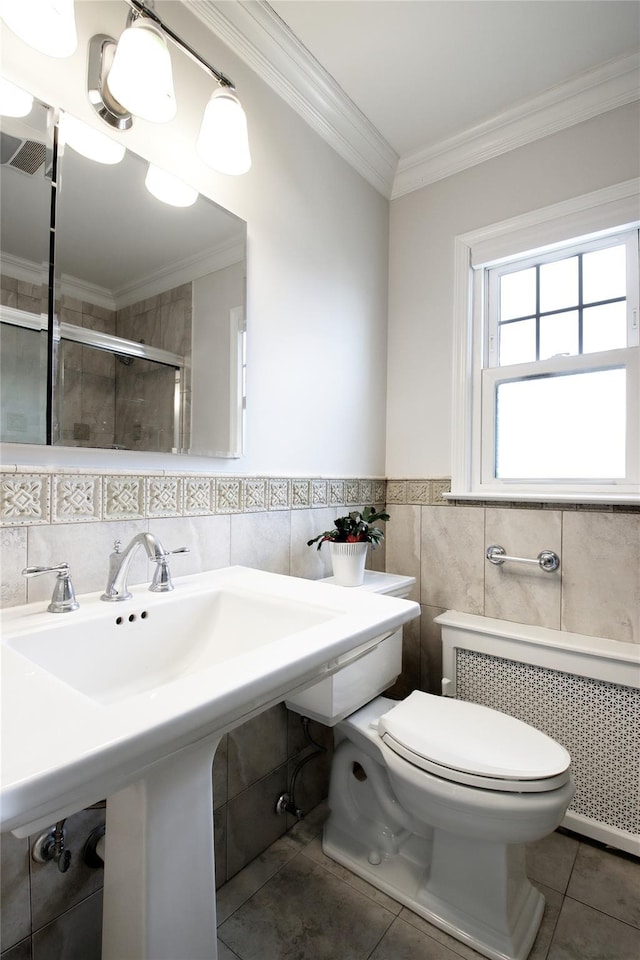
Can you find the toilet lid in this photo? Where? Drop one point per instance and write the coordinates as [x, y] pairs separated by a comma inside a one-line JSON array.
[[451, 737]]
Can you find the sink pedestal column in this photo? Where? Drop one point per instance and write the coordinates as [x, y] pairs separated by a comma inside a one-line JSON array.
[[159, 878]]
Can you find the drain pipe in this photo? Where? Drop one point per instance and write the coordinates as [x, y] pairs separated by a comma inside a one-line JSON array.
[[286, 802]]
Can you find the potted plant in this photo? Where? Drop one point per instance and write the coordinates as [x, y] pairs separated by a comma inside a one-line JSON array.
[[349, 541]]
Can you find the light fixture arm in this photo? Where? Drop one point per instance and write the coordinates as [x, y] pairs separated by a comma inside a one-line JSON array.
[[142, 9]]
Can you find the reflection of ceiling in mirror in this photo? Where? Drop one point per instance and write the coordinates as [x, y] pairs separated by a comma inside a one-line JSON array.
[[24, 197], [112, 234]]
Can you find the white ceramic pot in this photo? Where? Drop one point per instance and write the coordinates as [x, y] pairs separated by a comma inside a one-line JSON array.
[[348, 560]]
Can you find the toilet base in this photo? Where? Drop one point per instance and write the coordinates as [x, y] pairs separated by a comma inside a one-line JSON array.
[[514, 910]]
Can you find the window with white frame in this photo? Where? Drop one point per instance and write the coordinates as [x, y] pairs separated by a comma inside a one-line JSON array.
[[548, 365]]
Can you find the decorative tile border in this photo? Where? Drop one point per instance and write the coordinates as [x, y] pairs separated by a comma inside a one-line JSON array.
[[25, 498], [255, 495], [319, 493], [124, 498], [279, 494], [199, 496], [419, 492], [76, 499], [228, 495], [29, 498], [164, 496]]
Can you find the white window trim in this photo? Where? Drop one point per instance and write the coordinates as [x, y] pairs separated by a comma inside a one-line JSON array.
[[615, 207]]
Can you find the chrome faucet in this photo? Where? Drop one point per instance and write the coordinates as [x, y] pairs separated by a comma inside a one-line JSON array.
[[119, 564]]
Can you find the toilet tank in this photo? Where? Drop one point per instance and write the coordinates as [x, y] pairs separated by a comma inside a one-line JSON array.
[[334, 698]]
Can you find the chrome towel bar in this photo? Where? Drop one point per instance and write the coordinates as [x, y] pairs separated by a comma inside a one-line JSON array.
[[547, 560]]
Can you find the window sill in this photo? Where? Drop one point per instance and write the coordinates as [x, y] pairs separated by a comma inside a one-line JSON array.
[[514, 496]]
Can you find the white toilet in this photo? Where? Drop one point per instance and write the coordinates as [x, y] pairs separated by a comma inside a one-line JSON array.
[[432, 800]]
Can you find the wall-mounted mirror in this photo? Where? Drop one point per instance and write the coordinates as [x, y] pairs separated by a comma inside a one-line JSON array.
[[149, 315]]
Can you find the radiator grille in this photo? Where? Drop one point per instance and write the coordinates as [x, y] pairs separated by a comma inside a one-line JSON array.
[[596, 721]]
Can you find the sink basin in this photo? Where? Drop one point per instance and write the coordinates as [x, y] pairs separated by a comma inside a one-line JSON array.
[[144, 644], [129, 701]]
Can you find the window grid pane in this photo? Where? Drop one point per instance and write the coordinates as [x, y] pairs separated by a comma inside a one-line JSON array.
[[560, 287]]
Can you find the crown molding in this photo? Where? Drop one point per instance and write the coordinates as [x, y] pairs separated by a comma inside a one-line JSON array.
[[191, 268], [263, 41], [254, 32], [26, 270], [184, 271], [594, 92]]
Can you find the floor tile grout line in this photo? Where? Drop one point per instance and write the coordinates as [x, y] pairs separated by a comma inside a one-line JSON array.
[[603, 913], [260, 886], [555, 926], [381, 938]]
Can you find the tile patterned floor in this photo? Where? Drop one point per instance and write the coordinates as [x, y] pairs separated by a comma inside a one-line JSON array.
[[293, 903]]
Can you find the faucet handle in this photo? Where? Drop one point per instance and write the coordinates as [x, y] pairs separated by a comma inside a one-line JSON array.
[[63, 599], [162, 582]]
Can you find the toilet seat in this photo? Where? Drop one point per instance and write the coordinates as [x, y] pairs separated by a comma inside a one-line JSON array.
[[471, 744]]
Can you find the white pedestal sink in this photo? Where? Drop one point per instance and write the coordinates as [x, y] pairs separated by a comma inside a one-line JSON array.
[[159, 876], [128, 701]]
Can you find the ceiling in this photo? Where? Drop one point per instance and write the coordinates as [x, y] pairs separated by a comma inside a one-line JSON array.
[[422, 77], [424, 70]]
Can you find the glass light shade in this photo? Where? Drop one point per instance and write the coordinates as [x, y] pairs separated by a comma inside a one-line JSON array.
[[89, 142], [14, 102], [48, 26], [140, 77], [164, 186], [223, 141]]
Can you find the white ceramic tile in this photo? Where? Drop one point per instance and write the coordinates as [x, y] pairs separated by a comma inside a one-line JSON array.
[[13, 547], [208, 540], [601, 575], [261, 540], [452, 558], [523, 592], [402, 543], [308, 562], [14, 902]]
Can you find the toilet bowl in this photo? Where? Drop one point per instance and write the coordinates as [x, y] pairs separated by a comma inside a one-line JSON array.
[[432, 800], [439, 824]]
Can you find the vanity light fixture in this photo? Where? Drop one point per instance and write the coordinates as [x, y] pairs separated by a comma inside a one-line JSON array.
[[140, 77], [89, 142], [48, 26], [14, 102], [164, 186], [133, 78], [223, 142]]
